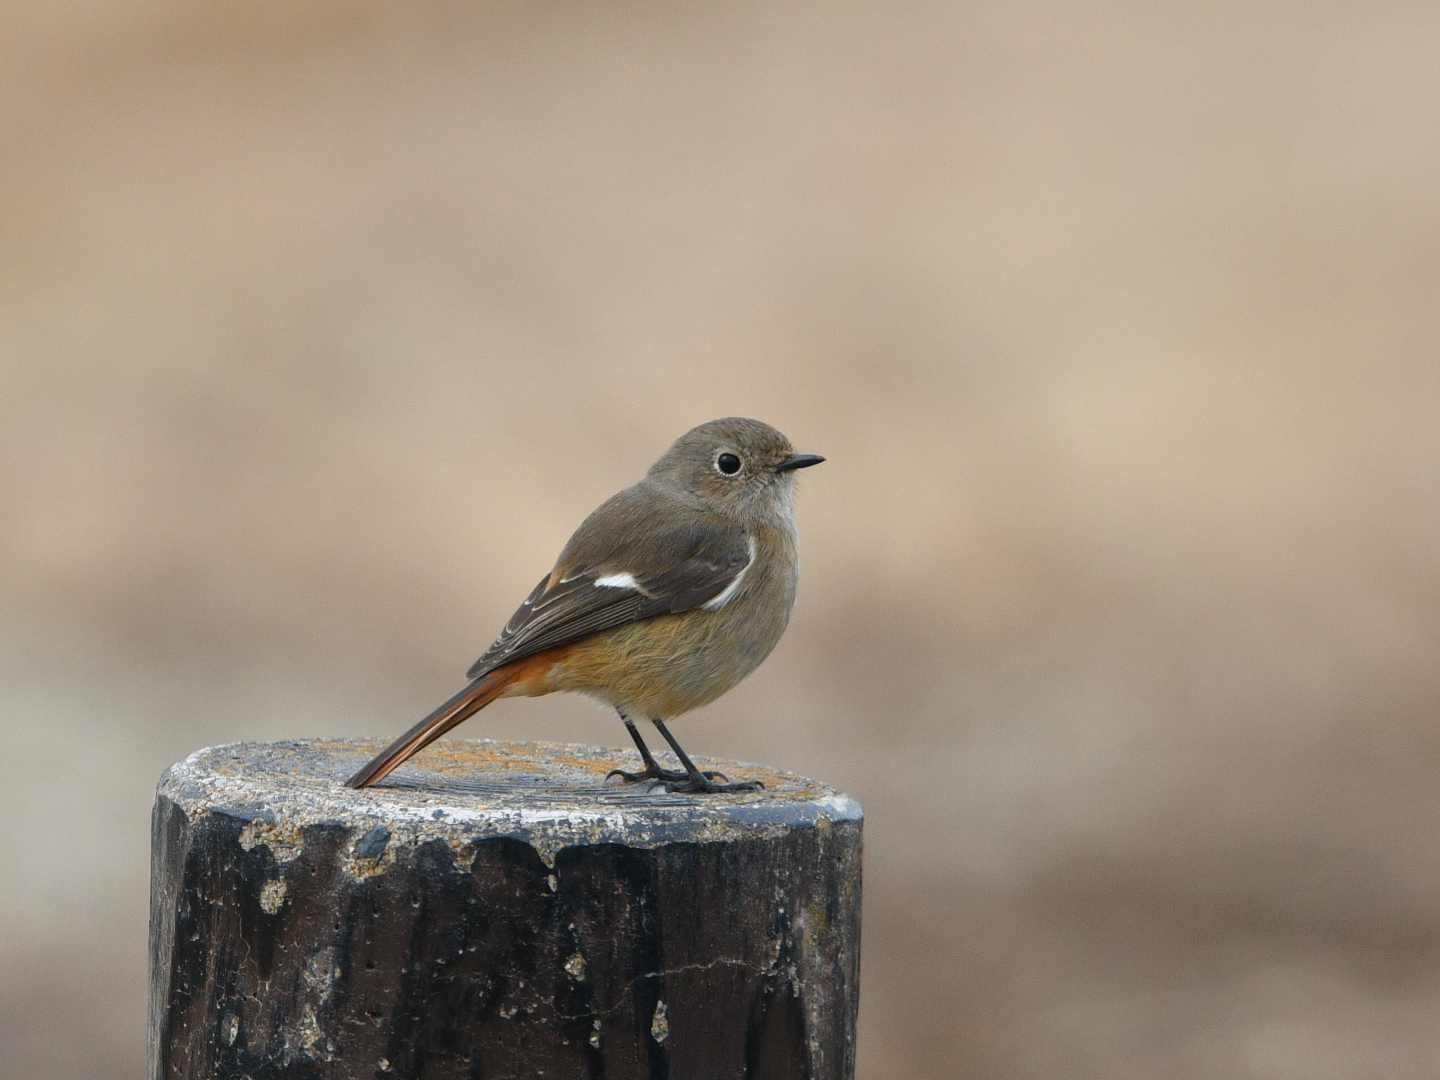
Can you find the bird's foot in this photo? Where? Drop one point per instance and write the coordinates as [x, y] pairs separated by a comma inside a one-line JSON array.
[[659, 775], [701, 784]]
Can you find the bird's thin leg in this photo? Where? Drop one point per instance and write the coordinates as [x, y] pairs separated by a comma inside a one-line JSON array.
[[652, 770], [695, 780]]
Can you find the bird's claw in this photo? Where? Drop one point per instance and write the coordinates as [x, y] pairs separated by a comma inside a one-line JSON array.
[[660, 776]]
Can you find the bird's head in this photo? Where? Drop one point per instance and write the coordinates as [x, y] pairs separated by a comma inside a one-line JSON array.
[[737, 467]]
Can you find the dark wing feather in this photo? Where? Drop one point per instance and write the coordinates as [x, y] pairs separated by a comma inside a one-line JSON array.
[[673, 570]]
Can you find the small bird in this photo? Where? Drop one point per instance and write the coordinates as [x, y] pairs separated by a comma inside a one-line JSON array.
[[667, 596]]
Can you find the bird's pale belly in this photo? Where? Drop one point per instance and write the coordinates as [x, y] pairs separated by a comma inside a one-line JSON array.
[[670, 664]]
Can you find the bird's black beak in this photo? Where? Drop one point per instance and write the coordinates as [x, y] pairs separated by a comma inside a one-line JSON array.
[[798, 461]]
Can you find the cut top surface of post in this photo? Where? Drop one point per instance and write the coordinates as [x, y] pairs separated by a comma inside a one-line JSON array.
[[549, 794]]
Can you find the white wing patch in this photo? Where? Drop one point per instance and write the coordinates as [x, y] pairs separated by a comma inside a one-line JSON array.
[[618, 581], [730, 590]]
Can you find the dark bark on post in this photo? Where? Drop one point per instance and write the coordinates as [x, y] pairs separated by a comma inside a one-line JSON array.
[[496, 910]]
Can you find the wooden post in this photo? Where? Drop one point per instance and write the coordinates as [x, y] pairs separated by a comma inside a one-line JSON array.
[[496, 910]]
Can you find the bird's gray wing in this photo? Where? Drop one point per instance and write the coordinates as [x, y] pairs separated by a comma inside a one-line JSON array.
[[622, 568]]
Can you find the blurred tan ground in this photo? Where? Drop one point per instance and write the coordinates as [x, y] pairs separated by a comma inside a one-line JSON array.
[[322, 325]]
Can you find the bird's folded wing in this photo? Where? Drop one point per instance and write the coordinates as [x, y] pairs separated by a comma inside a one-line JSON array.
[[670, 571]]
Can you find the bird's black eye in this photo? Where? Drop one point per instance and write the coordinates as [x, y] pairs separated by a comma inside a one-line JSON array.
[[729, 464]]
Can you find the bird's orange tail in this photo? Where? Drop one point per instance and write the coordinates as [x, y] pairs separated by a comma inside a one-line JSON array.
[[461, 707]]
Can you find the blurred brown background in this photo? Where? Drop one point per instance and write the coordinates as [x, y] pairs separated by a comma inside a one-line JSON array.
[[323, 324]]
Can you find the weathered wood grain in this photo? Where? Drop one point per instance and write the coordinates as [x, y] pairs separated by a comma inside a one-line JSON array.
[[497, 910]]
